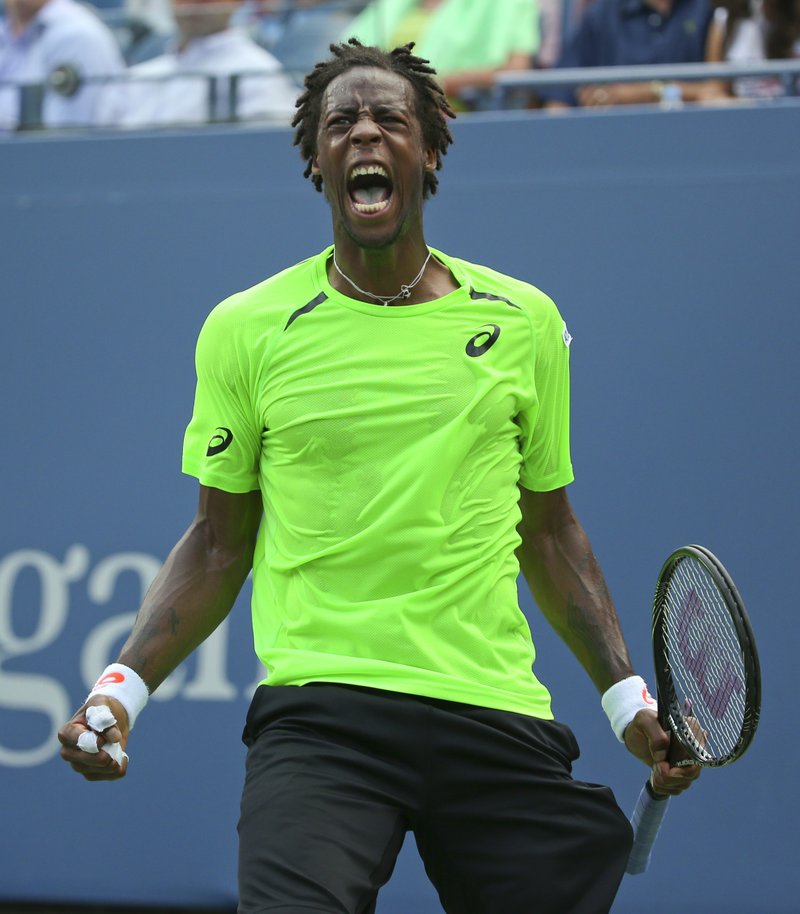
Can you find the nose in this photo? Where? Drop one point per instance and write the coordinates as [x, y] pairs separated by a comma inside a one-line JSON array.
[[365, 131]]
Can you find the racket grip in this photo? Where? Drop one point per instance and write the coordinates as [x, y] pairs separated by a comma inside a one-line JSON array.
[[646, 820]]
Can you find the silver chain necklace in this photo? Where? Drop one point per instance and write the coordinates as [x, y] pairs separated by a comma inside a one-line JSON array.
[[405, 291]]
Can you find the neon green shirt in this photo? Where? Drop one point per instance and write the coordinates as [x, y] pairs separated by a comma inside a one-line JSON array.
[[387, 443], [458, 35], [409, 28]]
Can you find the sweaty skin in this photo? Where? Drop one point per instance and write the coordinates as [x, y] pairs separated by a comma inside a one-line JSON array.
[[565, 579], [369, 118]]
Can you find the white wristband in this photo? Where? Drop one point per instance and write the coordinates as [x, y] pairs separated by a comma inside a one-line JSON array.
[[624, 700], [126, 685]]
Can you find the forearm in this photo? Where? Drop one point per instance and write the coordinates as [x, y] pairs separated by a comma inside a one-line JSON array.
[[456, 83], [567, 584], [707, 90], [650, 93], [484, 78], [194, 591]]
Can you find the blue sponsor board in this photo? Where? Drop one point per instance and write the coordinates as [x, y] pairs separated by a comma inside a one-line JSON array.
[[668, 242]]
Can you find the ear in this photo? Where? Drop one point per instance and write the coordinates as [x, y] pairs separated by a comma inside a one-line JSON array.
[[314, 166], [430, 160]]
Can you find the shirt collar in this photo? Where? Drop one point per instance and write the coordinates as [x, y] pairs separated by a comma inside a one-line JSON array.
[[198, 48]]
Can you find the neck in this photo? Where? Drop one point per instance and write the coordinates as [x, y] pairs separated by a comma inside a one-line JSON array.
[[19, 18], [380, 271], [401, 297], [385, 271]]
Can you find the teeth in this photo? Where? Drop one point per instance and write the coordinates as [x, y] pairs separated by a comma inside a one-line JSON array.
[[368, 170], [370, 207]]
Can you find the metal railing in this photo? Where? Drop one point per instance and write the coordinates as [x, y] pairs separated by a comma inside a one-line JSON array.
[[222, 92], [788, 71]]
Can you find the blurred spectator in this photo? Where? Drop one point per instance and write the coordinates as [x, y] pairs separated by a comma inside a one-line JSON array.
[[467, 41], [60, 43], [305, 31], [636, 32], [144, 29], [138, 38], [749, 31], [156, 13], [551, 22], [211, 67]]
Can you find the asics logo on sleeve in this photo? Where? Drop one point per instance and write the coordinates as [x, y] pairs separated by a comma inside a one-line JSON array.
[[483, 341], [220, 441]]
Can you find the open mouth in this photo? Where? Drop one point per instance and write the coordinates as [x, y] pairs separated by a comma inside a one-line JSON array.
[[370, 189]]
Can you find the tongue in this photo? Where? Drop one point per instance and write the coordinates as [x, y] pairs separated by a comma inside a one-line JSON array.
[[373, 194]]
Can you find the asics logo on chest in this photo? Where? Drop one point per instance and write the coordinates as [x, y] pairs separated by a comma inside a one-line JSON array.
[[483, 341]]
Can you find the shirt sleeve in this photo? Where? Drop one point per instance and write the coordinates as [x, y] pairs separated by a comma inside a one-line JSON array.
[[546, 461], [222, 444], [526, 37]]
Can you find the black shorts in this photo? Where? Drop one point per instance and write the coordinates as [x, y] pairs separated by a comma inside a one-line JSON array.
[[336, 776]]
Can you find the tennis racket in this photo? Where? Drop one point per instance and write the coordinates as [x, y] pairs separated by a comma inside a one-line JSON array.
[[708, 677]]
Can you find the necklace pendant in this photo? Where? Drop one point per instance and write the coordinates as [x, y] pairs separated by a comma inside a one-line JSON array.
[[405, 290]]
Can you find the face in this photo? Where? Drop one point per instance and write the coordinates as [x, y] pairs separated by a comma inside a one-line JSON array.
[[370, 155], [197, 18]]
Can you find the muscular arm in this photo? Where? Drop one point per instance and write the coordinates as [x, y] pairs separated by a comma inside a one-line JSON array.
[[192, 593], [197, 586], [565, 579], [455, 83]]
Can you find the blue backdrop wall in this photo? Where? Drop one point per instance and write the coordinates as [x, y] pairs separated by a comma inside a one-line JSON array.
[[669, 241]]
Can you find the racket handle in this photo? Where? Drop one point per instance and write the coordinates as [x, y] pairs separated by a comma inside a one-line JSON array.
[[646, 821]]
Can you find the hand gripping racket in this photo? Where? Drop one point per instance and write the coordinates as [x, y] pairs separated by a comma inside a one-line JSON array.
[[707, 676]]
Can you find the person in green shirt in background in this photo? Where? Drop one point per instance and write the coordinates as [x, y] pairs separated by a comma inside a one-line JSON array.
[[467, 41]]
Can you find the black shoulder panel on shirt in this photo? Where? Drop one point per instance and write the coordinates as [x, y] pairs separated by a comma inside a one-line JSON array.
[[306, 308], [476, 295]]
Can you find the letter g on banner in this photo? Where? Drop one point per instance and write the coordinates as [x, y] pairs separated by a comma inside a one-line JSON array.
[[31, 691]]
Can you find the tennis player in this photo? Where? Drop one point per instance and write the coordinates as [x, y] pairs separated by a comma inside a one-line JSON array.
[[381, 433]]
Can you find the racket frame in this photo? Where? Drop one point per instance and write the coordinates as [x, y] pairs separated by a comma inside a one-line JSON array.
[[670, 710]]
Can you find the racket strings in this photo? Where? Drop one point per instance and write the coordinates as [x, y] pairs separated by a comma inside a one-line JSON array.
[[708, 668]]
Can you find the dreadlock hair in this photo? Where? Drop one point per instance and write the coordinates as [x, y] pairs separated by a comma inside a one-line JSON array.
[[432, 107]]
